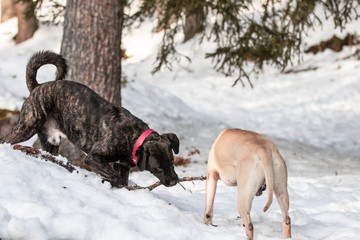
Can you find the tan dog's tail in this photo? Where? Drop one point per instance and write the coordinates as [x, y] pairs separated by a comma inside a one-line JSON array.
[[266, 160], [42, 58]]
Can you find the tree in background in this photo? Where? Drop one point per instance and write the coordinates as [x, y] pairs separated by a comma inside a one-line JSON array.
[[27, 13], [91, 43], [24, 10], [194, 22], [271, 34], [27, 22], [7, 10]]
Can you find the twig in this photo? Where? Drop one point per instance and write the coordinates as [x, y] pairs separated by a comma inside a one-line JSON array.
[[300, 70], [47, 157], [157, 184]]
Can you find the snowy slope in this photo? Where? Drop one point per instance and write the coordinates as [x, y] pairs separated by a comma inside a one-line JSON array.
[[312, 116]]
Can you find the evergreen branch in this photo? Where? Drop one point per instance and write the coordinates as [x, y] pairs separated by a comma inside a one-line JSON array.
[[271, 35]]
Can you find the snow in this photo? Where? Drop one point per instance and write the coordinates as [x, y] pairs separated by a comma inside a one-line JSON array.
[[312, 116]]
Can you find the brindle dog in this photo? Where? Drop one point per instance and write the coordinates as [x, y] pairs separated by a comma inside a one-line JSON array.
[[104, 131]]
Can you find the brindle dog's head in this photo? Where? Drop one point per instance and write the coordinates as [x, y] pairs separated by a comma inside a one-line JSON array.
[[156, 156]]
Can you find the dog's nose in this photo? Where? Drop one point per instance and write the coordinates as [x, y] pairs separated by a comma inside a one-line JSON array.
[[173, 182]]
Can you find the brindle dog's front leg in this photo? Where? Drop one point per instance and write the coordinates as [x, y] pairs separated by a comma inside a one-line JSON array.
[[124, 173], [98, 166]]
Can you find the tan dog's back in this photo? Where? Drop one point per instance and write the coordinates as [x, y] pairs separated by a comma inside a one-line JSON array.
[[247, 160]]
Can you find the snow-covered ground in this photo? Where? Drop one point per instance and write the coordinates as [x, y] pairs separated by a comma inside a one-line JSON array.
[[313, 116]]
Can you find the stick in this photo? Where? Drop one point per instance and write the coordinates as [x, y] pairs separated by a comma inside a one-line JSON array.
[[48, 157], [157, 184]]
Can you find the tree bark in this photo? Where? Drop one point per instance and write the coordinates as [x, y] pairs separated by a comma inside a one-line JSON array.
[[193, 25], [7, 10], [27, 25], [92, 45]]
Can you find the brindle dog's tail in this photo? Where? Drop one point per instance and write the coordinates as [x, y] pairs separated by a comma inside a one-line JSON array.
[[42, 58]]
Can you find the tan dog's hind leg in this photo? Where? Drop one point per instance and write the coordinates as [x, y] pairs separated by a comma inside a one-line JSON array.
[[249, 179], [283, 200], [280, 189], [244, 207], [211, 184]]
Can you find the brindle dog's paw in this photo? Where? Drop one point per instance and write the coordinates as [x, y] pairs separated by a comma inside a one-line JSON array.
[[115, 182]]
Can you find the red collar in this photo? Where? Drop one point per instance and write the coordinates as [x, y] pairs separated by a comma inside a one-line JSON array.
[[140, 141]]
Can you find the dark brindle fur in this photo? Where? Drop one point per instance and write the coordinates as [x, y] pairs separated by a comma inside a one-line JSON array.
[[104, 131]]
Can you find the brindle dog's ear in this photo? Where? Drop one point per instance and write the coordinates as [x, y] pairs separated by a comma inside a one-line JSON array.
[[141, 155], [174, 141]]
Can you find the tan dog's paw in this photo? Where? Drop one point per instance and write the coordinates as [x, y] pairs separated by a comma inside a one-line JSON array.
[[208, 219]]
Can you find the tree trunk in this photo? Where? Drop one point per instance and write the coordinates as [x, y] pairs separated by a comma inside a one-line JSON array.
[[91, 44], [193, 25], [27, 25], [7, 10]]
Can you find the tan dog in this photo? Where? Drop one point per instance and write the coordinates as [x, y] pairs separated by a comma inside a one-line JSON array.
[[251, 162]]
